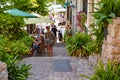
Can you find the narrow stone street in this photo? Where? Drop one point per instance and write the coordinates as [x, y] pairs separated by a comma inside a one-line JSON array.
[[59, 67]]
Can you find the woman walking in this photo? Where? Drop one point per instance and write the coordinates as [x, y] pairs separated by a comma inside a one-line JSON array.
[[49, 41]]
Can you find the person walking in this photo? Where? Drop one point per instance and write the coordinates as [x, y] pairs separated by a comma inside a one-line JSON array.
[[60, 35], [49, 41], [54, 30]]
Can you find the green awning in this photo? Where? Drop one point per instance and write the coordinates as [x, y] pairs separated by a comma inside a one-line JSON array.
[[17, 12], [66, 4]]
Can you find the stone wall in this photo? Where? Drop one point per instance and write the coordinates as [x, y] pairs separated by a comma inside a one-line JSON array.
[[3, 71], [111, 46], [90, 9], [90, 18]]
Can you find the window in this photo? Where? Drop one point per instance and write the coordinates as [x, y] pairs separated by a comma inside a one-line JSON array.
[[85, 6]]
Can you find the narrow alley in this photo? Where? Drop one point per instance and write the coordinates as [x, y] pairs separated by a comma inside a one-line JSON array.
[[59, 39], [59, 67]]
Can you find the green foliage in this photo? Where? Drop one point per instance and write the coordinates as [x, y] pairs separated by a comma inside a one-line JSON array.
[[80, 44], [16, 47], [37, 6], [10, 46], [16, 70], [90, 47], [10, 26], [14, 40], [108, 9], [98, 33], [108, 72], [57, 1]]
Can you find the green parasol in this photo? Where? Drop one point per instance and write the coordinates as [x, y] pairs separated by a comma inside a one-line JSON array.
[[40, 19], [17, 12]]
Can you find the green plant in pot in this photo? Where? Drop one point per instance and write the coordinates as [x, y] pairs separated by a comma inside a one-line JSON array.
[[80, 44]]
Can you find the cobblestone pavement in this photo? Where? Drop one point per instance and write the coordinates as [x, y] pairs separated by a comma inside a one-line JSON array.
[[43, 69]]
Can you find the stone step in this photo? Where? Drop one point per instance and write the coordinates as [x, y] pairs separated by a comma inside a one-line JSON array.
[[47, 68], [59, 44]]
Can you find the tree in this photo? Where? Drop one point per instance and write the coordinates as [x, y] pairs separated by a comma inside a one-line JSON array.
[[37, 6], [57, 1], [61, 1], [14, 41]]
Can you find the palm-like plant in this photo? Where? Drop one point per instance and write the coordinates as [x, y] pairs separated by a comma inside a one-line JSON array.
[[16, 70], [108, 72], [107, 10], [78, 45]]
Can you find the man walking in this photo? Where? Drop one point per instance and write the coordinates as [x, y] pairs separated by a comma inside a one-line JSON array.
[[54, 30]]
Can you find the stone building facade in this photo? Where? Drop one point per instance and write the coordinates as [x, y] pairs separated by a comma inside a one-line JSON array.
[[111, 46]]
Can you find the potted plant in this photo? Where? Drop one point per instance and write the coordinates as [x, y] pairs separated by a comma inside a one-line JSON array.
[[80, 44]]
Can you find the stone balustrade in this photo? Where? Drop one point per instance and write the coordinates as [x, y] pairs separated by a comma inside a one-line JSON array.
[[3, 71]]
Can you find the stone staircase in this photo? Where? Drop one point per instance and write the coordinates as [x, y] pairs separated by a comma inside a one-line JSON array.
[[44, 68], [59, 67], [59, 45]]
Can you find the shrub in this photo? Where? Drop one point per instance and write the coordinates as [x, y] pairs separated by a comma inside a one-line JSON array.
[[80, 44], [16, 70], [108, 72], [11, 52], [16, 47]]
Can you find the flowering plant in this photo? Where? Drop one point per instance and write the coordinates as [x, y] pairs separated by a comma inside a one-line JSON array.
[[81, 18]]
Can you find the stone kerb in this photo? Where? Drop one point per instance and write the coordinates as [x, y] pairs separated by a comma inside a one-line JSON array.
[[3, 71], [93, 59], [111, 46]]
